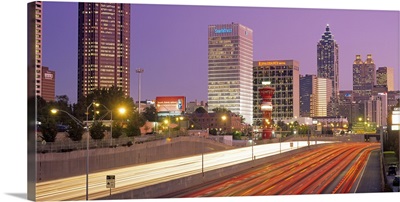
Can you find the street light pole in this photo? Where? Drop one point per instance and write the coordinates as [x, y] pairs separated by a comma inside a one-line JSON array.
[[223, 120], [139, 71], [111, 129], [202, 157], [87, 148], [87, 143], [252, 147], [87, 162], [169, 126], [308, 135]]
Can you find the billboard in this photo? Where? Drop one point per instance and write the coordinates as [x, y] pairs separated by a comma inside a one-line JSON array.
[[171, 104]]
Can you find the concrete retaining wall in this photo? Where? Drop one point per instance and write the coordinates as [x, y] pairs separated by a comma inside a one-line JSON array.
[[60, 165]]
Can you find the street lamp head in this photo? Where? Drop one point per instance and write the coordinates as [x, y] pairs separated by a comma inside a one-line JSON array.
[[122, 110], [54, 111], [223, 117], [139, 70]]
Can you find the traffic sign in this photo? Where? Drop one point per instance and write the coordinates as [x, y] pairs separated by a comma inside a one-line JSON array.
[[110, 181]]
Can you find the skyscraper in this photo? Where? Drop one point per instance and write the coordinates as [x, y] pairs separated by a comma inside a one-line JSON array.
[[364, 75], [230, 69], [103, 47], [315, 95], [385, 76], [283, 75], [321, 98], [307, 89], [35, 43], [328, 60], [34, 49], [48, 84]]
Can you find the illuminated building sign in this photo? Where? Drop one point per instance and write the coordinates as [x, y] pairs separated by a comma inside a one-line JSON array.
[[270, 63], [223, 30], [171, 103], [48, 76]]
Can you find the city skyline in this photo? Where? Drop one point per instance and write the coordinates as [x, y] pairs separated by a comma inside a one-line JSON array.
[[14, 40], [182, 70]]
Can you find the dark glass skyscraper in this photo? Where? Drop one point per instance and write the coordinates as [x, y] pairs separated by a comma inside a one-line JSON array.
[[103, 47], [328, 60], [307, 89]]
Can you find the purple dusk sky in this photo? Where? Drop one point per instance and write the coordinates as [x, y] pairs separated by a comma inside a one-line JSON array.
[[170, 42]]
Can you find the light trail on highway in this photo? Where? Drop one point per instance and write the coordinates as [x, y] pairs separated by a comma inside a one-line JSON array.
[[309, 172], [138, 176]]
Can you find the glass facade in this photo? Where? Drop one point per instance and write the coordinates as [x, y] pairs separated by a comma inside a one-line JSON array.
[[328, 60], [307, 89], [283, 75], [230, 57], [385, 76], [322, 97], [364, 75], [103, 47]]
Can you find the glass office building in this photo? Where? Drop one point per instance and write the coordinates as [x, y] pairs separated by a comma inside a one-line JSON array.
[[103, 47], [230, 72], [283, 75]]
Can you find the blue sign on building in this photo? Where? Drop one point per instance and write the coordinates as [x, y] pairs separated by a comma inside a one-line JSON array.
[[223, 30]]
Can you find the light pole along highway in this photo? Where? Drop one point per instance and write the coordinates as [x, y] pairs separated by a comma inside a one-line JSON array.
[[139, 71], [54, 111]]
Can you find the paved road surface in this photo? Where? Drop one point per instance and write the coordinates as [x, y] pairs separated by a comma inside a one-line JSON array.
[[371, 178]]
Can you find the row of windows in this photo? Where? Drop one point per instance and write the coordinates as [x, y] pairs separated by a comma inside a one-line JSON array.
[[273, 73], [269, 68], [223, 52], [223, 87]]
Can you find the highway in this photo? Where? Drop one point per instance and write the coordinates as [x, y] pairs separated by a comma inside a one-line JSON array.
[[309, 172], [137, 176]]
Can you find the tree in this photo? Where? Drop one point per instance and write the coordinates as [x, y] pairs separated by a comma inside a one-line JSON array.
[[49, 130], [97, 130], [213, 131], [41, 107], [200, 110], [135, 121], [236, 135], [242, 119], [61, 103], [221, 110], [79, 109], [117, 130], [281, 125], [150, 113], [132, 130], [75, 131], [112, 98]]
